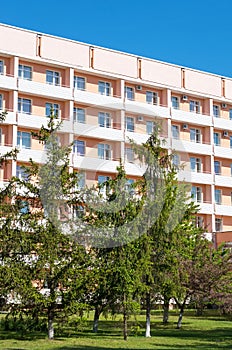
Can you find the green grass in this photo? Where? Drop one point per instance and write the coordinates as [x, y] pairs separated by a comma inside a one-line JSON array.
[[210, 331]]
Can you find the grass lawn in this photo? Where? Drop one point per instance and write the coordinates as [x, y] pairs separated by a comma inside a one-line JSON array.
[[210, 331]]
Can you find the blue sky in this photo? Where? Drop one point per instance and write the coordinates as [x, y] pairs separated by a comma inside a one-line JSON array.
[[192, 33]]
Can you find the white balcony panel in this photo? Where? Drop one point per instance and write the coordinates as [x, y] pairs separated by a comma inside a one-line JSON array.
[[223, 210], [136, 137], [52, 91], [3, 184], [5, 149], [134, 169], [32, 121], [191, 147], [94, 131], [223, 152], [194, 177], [191, 118], [146, 109], [94, 164], [7, 82], [10, 118], [205, 208], [95, 99], [224, 181], [25, 154], [221, 123]]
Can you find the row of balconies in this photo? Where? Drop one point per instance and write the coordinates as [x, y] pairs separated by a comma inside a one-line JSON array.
[[115, 103]]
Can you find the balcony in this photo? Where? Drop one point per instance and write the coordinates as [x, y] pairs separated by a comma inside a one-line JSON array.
[[205, 208], [94, 164], [191, 147], [8, 82], [146, 109], [93, 131], [191, 118], [134, 169], [94, 99], [38, 156], [225, 210], [222, 152], [223, 181], [31, 121], [50, 91], [195, 177], [222, 124], [10, 118]]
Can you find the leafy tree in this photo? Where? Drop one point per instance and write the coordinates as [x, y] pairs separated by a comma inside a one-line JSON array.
[[48, 267]]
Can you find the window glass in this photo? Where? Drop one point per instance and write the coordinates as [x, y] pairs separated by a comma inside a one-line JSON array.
[[104, 88], [217, 167], [129, 93], [1, 67], [217, 196], [52, 108], [79, 147], [216, 138], [152, 97], [52, 77], [23, 139], [175, 131], [129, 155], [216, 111], [175, 102], [130, 124], [25, 72], [24, 105], [79, 115], [79, 83], [104, 120], [104, 151]]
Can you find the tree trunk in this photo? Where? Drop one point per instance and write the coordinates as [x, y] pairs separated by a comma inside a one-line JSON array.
[[96, 319], [148, 315], [166, 311], [125, 330], [50, 324], [179, 323]]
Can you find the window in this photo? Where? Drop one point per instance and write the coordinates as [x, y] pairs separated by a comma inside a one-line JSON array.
[[150, 125], [80, 180], [1, 137], [175, 102], [194, 106], [129, 93], [130, 124], [25, 72], [104, 88], [196, 194], [230, 169], [129, 186], [79, 147], [104, 151], [79, 83], [218, 224], [24, 207], [230, 141], [152, 97], [52, 109], [23, 139], [24, 105], [129, 155], [176, 160], [104, 120], [230, 114], [175, 131], [218, 196], [78, 211], [199, 221], [1, 101], [216, 111], [79, 115], [101, 182], [52, 77], [195, 135], [1, 67], [216, 139], [217, 167], [195, 164], [21, 173]]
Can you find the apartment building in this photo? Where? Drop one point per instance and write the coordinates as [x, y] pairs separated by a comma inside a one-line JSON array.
[[105, 97]]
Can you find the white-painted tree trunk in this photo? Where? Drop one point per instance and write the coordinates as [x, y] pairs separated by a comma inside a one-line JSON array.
[[148, 316]]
